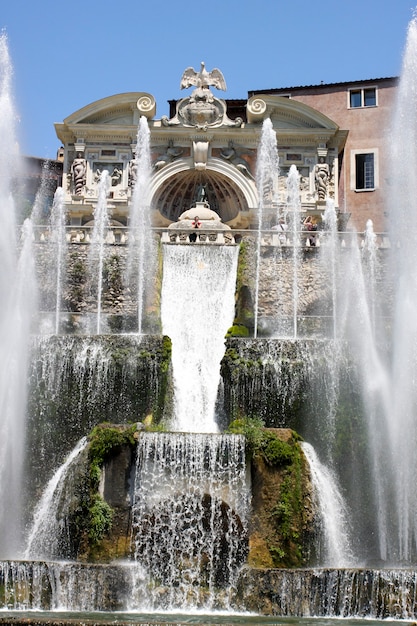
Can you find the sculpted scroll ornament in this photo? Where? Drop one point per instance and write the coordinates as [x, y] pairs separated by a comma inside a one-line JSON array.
[[146, 106], [256, 108]]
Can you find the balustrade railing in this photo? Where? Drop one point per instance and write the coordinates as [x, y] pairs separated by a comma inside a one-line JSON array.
[[120, 235]]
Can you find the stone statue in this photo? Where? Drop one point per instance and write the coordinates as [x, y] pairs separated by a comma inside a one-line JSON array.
[[116, 176], [202, 194], [133, 172], [202, 80], [78, 172], [230, 154], [321, 176]]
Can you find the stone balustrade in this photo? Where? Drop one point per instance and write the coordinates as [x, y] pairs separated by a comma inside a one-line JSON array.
[[120, 235]]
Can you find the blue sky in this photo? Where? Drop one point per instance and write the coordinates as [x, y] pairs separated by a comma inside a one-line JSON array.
[[68, 54]]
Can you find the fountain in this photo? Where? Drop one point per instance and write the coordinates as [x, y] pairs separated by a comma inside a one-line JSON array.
[[172, 471], [98, 240], [141, 254]]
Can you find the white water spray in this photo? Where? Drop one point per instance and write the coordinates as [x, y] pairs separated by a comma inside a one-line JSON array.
[[294, 217], [57, 245], [400, 421], [140, 262], [267, 173], [18, 289], [96, 253]]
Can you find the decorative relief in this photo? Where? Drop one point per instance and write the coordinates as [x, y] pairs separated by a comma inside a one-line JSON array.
[[146, 106], [202, 110], [171, 153], [234, 156]]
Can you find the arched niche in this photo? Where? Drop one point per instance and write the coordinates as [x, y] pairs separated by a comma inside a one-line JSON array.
[[229, 193]]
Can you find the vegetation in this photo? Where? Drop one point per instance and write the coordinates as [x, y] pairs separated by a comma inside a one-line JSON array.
[[104, 440], [277, 473]]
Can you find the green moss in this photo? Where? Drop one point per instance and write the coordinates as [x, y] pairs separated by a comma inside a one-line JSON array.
[[104, 439], [238, 330], [264, 442], [100, 520], [275, 451], [287, 516]]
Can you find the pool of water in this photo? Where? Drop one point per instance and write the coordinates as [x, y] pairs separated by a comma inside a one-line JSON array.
[[62, 618]]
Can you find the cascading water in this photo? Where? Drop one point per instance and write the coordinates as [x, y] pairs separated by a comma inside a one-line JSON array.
[[47, 536], [190, 516], [267, 173], [336, 551], [140, 244], [96, 253], [197, 309]]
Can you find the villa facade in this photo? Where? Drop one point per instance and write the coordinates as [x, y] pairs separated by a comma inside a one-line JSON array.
[[336, 136]]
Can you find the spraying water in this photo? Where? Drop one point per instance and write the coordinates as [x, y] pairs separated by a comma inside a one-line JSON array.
[[57, 245], [400, 420], [140, 251], [96, 251], [197, 309], [294, 216], [267, 172], [18, 289]]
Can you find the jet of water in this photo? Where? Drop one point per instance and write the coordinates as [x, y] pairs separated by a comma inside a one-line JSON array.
[[140, 262], [96, 253]]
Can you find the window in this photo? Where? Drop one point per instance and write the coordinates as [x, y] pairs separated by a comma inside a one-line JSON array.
[[362, 97], [365, 171]]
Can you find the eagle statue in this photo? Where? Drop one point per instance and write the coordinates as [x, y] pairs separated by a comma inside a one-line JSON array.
[[203, 79]]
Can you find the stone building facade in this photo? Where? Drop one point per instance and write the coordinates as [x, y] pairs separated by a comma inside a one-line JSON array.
[[205, 142], [366, 109]]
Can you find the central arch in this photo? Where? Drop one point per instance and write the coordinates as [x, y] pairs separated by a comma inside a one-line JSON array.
[[176, 189]]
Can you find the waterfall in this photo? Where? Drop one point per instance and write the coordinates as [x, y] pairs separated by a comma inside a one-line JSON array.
[[98, 241], [47, 536], [140, 263], [197, 309], [333, 511], [190, 515]]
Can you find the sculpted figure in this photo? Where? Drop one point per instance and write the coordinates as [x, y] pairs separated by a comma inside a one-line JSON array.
[[321, 176], [170, 155], [230, 154], [78, 172], [133, 172], [116, 176], [202, 80]]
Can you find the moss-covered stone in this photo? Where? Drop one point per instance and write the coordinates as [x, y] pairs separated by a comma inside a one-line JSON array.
[[282, 522]]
